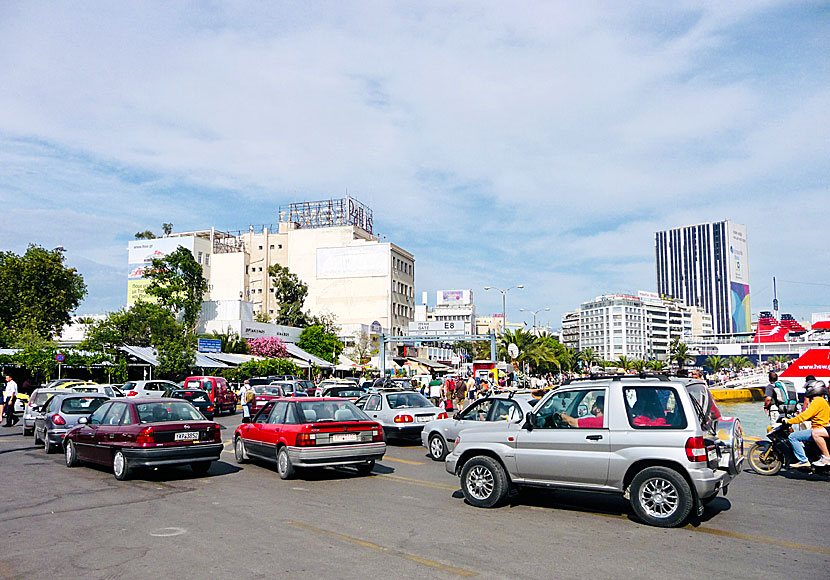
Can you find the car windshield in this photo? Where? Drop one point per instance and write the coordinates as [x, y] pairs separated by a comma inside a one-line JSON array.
[[167, 411], [192, 396], [267, 390], [328, 411], [404, 400], [81, 405], [40, 398]]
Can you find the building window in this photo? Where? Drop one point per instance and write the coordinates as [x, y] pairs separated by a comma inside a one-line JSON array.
[[279, 246], [260, 247], [272, 246]]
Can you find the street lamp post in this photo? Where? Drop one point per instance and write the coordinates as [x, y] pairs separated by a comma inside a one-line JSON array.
[[503, 303], [534, 312]]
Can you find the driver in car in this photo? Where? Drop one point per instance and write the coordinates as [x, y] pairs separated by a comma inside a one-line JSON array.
[[593, 421]]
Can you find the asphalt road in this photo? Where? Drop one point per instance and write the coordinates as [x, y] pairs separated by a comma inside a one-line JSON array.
[[407, 520]]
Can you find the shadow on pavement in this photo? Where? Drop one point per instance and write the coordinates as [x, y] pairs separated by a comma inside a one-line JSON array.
[[172, 473]]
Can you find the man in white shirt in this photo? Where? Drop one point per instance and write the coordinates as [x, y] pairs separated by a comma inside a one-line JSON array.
[[9, 397]]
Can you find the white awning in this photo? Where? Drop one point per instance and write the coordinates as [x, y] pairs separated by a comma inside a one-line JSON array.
[[149, 355]]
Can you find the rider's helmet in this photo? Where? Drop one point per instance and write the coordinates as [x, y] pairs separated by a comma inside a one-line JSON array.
[[815, 389]]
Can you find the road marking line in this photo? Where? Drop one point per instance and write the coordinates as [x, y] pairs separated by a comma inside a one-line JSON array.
[[407, 461], [421, 482], [385, 549]]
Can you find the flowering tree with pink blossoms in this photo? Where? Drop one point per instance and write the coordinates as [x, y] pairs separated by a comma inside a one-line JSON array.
[[268, 347]]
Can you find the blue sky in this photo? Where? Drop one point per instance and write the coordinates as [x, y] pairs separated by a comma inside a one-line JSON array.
[[535, 143]]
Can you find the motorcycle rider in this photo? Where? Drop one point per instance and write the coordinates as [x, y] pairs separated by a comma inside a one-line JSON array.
[[817, 412]]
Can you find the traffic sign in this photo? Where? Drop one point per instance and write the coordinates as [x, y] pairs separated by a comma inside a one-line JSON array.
[[60, 357]]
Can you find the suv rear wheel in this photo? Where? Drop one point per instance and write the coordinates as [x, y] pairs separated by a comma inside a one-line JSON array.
[[484, 482], [661, 497]]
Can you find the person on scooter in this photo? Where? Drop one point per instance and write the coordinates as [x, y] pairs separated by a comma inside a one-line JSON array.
[[817, 412]]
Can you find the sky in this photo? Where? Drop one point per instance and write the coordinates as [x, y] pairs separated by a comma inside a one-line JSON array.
[[502, 143]]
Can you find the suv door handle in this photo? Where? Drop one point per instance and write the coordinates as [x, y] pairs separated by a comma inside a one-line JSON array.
[[594, 437]]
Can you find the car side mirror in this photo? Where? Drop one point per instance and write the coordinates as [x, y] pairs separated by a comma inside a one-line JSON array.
[[83, 421], [530, 421]]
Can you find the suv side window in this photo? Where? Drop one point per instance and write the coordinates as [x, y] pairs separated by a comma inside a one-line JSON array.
[[578, 407], [505, 411], [654, 408]]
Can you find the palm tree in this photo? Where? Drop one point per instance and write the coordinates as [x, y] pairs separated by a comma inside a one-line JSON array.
[[638, 365], [715, 363], [657, 365], [680, 353], [740, 362], [624, 362], [588, 356]]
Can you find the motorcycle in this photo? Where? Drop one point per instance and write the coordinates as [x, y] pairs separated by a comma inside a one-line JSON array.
[[769, 457]]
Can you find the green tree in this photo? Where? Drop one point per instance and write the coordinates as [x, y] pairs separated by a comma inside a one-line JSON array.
[[176, 355], [38, 293], [680, 353], [638, 365], [176, 281], [657, 365], [740, 362], [231, 342], [715, 363], [145, 235], [167, 228], [624, 363], [363, 349], [320, 341], [290, 293]]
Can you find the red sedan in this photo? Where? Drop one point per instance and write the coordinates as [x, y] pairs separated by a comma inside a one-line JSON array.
[[311, 432], [142, 432]]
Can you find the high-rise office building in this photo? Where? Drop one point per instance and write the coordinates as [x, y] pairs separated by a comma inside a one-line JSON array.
[[707, 265]]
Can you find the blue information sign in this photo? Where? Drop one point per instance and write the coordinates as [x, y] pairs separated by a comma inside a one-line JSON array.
[[209, 345]]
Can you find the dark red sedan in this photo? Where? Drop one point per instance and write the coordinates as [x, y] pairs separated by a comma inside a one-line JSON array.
[[311, 432], [131, 433]]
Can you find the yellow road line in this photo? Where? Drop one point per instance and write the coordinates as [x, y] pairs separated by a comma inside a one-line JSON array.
[[384, 549], [407, 461], [421, 482]]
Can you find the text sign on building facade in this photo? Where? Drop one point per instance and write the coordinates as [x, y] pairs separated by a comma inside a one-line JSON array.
[[438, 328]]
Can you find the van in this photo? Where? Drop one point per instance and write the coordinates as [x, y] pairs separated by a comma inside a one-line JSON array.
[[222, 397]]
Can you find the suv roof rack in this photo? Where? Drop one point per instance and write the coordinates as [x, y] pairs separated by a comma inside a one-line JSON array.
[[617, 377]]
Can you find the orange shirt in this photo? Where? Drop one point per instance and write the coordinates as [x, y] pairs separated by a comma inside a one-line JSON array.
[[818, 412]]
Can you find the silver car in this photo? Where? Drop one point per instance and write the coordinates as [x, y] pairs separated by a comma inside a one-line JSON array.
[[659, 441], [32, 408], [439, 436], [402, 414], [110, 391], [152, 388], [60, 414]]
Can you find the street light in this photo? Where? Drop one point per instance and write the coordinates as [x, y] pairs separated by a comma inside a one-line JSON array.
[[534, 312], [503, 303]]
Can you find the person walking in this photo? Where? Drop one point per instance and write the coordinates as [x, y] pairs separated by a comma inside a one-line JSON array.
[[246, 396], [435, 391], [9, 397]]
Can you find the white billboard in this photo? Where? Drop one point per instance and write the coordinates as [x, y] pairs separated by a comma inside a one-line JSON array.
[[353, 262], [145, 251], [738, 254], [454, 297]]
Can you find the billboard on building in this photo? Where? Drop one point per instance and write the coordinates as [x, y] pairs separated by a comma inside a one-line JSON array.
[[454, 297], [738, 263], [353, 262], [650, 298], [140, 255]]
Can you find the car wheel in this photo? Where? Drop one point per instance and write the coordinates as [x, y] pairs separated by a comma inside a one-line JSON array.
[[661, 497], [437, 447], [284, 467], [70, 453], [484, 482], [120, 466], [27, 432], [37, 438], [200, 467], [233, 409], [365, 468], [239, 452], [47, 446]]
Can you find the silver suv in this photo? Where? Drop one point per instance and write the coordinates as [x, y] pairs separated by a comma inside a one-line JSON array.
[[659, 441]]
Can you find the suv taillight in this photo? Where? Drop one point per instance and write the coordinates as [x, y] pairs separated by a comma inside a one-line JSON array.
[[695, 449], [58, 420], [403, 419], [306, 440], [145, 436]]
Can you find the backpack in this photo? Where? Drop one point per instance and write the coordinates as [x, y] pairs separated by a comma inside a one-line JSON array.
[[249, 396], [786, 397]]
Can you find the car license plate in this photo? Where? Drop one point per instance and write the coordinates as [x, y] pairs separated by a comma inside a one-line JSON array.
[[343, 437], [425, 419], [713, 455], [187, 436]]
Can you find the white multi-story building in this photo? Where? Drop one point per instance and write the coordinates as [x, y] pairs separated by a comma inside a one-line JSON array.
[[329, 245], [450, 306], [639, 327], [570, 330]]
